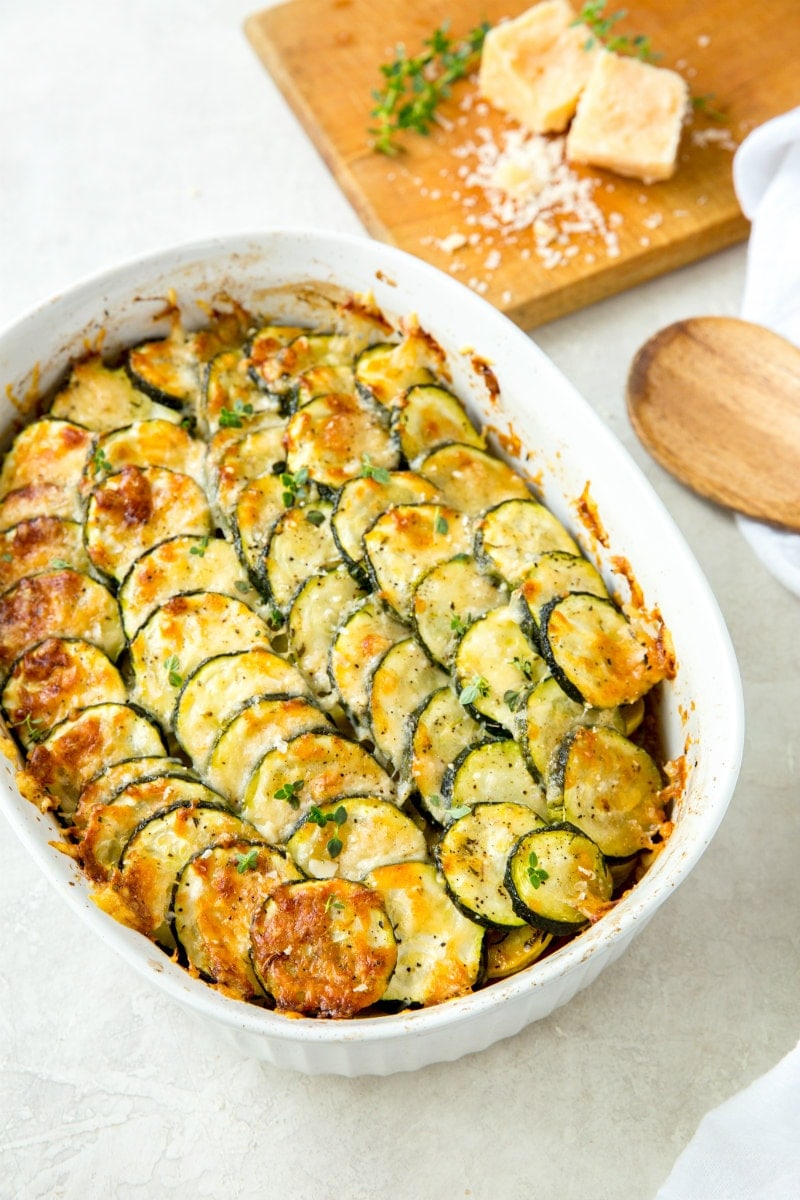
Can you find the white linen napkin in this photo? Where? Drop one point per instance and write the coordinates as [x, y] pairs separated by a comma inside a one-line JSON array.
[[749, 1147], [766, 176]]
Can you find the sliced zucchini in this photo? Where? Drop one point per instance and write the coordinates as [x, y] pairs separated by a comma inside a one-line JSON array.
[[324, 947], [494, 664], [472, 854], [263, 723], [471, 479], [362, 500], [428, 416], [360, 642], [558, 879], [403, 680], [609, 788], [491, 773], [301, 542], [332, 437], [448, 598], [440, 730], [40, 500], [109, 827], [169, 369], [220, 686], [46, 450], [279, 367], [111, 780], [156, 852], [135, 509], [216, 896], [317, 609], [230, 394], [403, 544], [517, 950], [439, 949], [350, 837], [259, 452], [41, 544], [103, 398], [553, 575], [153, 444], [54, 679], [512, 535], [62, 604], [321, 381], [258, 508], [77, 748], [548, 715], [180, 635], [596, 654], [186, 563], [312, 768], [263, 350], [384, 371]]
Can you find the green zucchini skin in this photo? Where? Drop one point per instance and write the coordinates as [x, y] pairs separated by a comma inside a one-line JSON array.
[[558, 879]]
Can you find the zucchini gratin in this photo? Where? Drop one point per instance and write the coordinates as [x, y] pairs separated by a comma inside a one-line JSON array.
[[325, 701]]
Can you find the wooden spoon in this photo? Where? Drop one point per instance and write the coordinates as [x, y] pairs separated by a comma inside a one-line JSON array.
[[716, 401]]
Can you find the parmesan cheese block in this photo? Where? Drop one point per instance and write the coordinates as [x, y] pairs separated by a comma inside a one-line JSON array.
[[629, 118], [535, 67]]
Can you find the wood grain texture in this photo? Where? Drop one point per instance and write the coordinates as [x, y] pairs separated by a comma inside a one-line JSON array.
[[325, 57], [716, 401]]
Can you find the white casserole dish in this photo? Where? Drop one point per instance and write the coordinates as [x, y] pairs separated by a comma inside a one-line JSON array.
[[566, 448]]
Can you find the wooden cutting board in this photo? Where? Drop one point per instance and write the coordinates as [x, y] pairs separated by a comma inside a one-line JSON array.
[[325, 56]]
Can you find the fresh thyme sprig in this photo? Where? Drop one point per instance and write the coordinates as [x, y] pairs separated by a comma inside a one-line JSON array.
[[414, 86], [602, 32]]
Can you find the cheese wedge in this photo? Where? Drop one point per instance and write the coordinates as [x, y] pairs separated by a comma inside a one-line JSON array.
[[629, 118], [535, 66]]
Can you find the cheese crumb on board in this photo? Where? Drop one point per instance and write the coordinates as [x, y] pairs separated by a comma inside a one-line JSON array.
[[629, 118], [535, 67]]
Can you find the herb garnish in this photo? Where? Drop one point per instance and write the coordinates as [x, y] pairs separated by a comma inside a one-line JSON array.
[[201, 546], [368, 471], [458, 625], [99, 461], [295, 487], [231, 418], [31, 726], [602, 34], [60, 564], [415, 86], [289, 793], [248, 861], [317, 817], [476, 687], [536, 874], [315, 517], [440, 523], [172, 667]]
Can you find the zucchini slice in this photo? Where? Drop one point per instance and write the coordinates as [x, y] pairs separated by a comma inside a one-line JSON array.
[[448, 598], [111, 780], [494, 664], [321, 381], [301, 543], [259, 452], [512, 535], [518, 949], [558, 879], [362, 500], [332, 436], [323, 947], [555, 574], [258, 507], [403, 680], [135, 509], [439, 949], [609, 788], [263, 349], [218, 689], [46, 450], [360, 642], [155, 443], [156, 852], [428, 416], [41, 544], [62, 604], [279, 367], [103, 398], [384, 371], [548, 715], [596, 654], [312, 768], [186, 563], [472, 854], [262, 724], [317, 609], [109, 827], [77, 748], [491, 773], [471, 479], [230, 394], [180, 635], [40, 500], [440, 730], [350, 837], [403, 544], [170, 368], [216, 896], [54, 679]]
